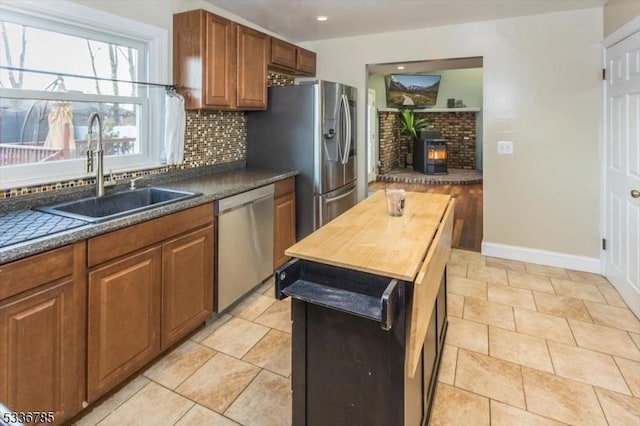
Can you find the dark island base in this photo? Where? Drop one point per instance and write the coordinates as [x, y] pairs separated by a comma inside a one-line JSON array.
[[347, 369]]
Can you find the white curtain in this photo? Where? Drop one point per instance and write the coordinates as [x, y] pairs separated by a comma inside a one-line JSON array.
[[174, 126]]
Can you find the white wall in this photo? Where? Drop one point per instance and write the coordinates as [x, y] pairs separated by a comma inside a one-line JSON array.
[[463, 84], [542, 91], [160, 13]]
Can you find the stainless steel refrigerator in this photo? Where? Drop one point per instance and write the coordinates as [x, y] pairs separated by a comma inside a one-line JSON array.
[[310, 127]]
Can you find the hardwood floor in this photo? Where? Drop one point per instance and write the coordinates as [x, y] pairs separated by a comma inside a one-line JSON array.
[[467, 229]]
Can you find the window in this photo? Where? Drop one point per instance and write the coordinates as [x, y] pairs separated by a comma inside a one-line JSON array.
[[43, 116]]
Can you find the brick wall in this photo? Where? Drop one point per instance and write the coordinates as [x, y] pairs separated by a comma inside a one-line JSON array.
[[392, 143], [458, 128]]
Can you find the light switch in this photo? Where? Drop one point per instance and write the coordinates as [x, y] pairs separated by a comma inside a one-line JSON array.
[[505, 147]]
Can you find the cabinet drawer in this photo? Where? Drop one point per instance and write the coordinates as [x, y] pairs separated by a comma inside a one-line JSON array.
[[127, 240], [284, 187], [25, 274]]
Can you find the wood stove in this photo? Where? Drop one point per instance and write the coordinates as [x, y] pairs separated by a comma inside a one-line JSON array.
[[430, 156]]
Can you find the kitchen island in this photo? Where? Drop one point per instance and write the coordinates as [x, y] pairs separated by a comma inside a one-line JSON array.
[[369, 313]]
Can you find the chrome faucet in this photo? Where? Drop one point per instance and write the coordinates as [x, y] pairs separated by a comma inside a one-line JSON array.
[[98, 152]]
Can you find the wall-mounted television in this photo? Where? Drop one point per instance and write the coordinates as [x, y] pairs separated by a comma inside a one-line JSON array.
[[412, 90]]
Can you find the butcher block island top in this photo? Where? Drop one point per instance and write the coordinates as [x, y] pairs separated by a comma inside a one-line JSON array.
[[367, 239]]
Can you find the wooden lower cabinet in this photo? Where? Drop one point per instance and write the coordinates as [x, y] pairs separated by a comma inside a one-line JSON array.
[[187, 284], [284, 220], [149, 286], [124, 318], [42, 333]]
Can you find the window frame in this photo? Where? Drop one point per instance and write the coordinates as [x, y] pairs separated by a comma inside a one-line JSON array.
[[153, 59]]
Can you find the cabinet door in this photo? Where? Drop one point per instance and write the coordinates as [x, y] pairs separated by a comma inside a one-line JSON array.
[[187, 279], [305, 61], [42, 333], [284, 228], [124, 319], [283, 54], [219, 62], [251, 68], [37, 354]]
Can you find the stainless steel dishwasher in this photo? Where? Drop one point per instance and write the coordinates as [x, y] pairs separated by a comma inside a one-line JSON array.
[[245, 243]]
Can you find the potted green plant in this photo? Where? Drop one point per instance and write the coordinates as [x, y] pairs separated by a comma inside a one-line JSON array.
[[410, 127]]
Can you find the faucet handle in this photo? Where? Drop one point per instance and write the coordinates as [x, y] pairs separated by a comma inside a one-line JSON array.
[[109, 180]]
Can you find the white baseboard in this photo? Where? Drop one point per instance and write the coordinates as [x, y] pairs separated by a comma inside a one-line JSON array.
[[542, 257]]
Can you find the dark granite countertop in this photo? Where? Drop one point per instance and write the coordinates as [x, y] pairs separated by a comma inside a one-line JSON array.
[[214, 183]]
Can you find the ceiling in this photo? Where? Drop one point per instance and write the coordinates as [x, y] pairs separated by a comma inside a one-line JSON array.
[[296, 21]]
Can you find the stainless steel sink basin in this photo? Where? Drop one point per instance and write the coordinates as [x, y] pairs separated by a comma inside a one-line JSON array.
[[119, 204]]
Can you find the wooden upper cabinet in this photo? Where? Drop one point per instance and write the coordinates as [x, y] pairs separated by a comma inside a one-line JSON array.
[[219, 78], [42, 333], [283, 54], [252, 51], [204, 59], [290, 59], [219, 64], [305, 61]]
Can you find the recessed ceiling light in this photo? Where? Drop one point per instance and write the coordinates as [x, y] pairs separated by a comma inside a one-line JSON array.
[[322, 18], [400, 67]]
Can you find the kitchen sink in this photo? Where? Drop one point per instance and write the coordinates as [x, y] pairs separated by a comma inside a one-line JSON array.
[[119, 204]]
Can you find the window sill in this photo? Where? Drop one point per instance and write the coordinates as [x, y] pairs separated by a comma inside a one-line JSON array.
[[6, 184]]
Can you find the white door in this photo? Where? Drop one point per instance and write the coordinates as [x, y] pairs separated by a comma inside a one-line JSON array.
[[372, 136], [622, 154]]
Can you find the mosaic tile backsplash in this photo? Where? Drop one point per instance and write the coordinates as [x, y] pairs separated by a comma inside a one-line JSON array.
[[211, 137]]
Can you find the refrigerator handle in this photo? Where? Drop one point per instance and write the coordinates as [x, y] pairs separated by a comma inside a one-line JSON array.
[[341, 132], [347, 126], [341, 196]]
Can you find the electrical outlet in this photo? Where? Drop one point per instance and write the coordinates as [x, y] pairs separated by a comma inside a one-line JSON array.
[[505, 147]]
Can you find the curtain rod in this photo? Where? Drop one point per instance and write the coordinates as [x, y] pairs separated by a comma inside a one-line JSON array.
[[62, 74]]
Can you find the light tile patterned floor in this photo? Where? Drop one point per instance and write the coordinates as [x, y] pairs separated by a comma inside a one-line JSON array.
[[527, 345]]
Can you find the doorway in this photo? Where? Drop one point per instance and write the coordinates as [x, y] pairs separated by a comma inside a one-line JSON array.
[[453, 111]]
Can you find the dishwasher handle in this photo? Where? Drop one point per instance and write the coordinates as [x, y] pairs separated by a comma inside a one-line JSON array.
[[234, 202]]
